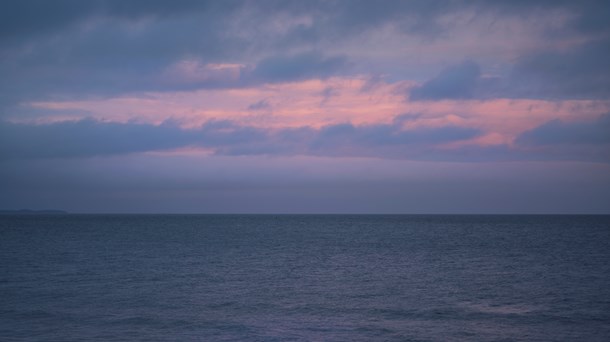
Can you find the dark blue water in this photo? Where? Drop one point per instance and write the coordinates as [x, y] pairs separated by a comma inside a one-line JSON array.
[[304, 278]]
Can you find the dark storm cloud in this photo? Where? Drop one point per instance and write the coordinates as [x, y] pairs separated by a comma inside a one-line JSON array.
[[558, 132]]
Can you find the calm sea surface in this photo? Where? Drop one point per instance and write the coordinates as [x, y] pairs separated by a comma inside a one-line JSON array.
[[304, 278]]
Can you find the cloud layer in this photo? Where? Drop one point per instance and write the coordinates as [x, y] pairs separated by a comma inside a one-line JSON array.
[[88, 138], [106, 47], [242, 85]]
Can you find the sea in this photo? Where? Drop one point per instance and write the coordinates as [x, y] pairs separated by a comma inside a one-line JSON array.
[[304, 278]]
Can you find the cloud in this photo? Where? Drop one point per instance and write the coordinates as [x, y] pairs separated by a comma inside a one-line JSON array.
[[561, 140], [76, 49], [111, 58], [584, 16], [28, 17], [581, 72], [554, 140], [260, 105], [79, 49], [23, 18], [390, 134], [86, 138], [455, 82], [575, 133], [31, 17], [225, 63], [298, 67]]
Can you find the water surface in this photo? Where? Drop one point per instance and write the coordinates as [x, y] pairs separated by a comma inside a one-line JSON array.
[[304, 278]]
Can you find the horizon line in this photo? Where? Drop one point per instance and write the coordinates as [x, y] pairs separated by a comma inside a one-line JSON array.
[[64, 212]]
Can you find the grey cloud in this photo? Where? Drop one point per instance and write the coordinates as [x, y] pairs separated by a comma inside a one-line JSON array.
[[108, 62], [337, 19], [558, 132], [392, 134], [260, 105], [299, 66], [581, 72], [23, 18], [112, 58], [226, 133], [71, 48], [455, 82], [334, 19], [88, 138], [594, 16], [383, 140], [587, 16], [85, 138], [19, 18], [387, 141], [372, 83], [559, 140], [328, 93], [419, 17]]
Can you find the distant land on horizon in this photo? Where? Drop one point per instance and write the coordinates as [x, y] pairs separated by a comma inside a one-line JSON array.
[[32, 212]]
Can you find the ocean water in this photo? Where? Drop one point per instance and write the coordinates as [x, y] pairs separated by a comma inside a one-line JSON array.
[[304, 278]]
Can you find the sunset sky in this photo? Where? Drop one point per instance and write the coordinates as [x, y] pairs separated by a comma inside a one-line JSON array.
[[305, 106]]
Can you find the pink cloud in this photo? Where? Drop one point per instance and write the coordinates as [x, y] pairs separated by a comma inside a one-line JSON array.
[[351, 100]]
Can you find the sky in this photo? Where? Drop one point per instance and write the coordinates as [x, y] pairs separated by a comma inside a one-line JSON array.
[[415, 107]]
